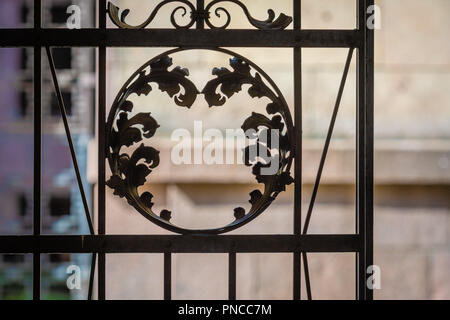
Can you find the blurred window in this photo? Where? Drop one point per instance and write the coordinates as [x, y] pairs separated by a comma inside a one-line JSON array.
[[59, 206], [24, 12], [23, 104], [13, 258], [24, 58], [67, 98], [59, 13], [59, 258], [22, 205], [62, 58]]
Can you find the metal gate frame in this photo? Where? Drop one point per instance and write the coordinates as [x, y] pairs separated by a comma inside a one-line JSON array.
[[299, 243]]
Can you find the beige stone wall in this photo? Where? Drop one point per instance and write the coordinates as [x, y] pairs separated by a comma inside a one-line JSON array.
[[412, 126]]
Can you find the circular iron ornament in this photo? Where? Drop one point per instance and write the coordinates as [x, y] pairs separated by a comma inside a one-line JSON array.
[[129, 172]]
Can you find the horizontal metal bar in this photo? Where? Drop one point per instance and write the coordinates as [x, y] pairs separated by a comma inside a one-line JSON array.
[[178, 243], [179, 38]]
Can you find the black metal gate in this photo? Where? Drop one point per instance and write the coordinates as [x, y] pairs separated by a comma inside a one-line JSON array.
[[271, 33]]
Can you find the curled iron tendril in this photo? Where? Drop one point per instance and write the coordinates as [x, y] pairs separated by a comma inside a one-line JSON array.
[[281, 22], [270, 23], [113, 12]]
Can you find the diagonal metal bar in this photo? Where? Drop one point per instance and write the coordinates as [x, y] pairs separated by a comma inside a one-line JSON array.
[[69, 138], [91, 276], [307, 281], [327, 141], [321, 165]]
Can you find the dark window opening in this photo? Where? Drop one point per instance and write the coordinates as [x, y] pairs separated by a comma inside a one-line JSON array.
[[59, 206], [22, 205], [59, 258], [59, 288], [23, 58], [24, 11], [93, 60], [54, 105], [14, 291], [13, 258], [59, 13], [62, 58], [23, 104]]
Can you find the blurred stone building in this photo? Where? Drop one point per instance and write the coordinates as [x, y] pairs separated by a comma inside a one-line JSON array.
[[61, 207], [412, 159], [412, 176]]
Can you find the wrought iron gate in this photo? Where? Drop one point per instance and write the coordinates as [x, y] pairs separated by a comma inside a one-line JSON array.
[[201, 33]]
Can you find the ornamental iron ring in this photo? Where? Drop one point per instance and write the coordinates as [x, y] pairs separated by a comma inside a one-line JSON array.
[[130, 171]]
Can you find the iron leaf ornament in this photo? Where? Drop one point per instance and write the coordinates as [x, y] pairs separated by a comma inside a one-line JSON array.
[[128, 131], [128, 175]]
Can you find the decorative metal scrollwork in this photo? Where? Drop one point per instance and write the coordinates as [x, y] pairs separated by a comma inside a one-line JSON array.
[[129, 172], [271, 23], [113, 12]]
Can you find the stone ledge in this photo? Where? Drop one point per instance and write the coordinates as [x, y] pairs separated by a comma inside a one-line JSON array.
[[396, 162], [419, 162]]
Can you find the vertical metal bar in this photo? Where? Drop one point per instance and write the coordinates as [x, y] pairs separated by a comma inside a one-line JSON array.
[[37, 155], [232, 276], [101, 279], [364, 147], [167, 276], [360, 75], [369, 146], [200, 24], [36, 276], [298, 151], [297, 276], [101, 148]]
